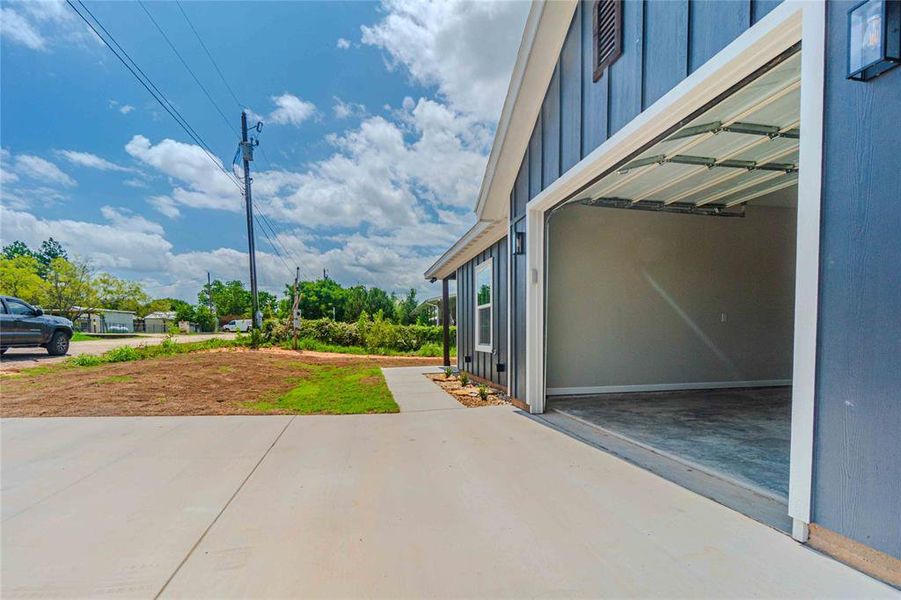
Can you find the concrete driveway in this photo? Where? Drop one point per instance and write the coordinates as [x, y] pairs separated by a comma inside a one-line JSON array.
[[436, 501], [18, 358]]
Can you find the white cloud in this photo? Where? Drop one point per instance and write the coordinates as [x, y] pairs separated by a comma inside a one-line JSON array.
[[126, 220], [122, 108], [42, 170], [165, 205], [16, 28], [291, 110], [92, 161], [345, 110], [199, 182], [343, 44], [464, 47], [39, 24], [6, 175]]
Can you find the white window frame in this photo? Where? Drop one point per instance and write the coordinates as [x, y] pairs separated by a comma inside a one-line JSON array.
[[489, 265]]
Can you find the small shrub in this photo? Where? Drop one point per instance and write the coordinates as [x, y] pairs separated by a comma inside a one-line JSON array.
[[86, 360], [483, 392], [121, 354], [464, 379], [448, 371]]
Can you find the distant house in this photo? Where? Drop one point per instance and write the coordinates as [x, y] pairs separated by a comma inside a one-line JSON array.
[[159, 321], [106, 320]]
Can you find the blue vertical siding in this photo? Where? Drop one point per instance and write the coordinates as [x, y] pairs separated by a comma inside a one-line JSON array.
[[550, 132], [571, 95], [761, 8], [857, 450], [624, 102], [712, 25], [534, 161], [665, 48], [594, 93]]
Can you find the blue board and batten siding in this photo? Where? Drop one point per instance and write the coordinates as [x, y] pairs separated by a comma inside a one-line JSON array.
[[483, 364], [857, 453], [857, 459]]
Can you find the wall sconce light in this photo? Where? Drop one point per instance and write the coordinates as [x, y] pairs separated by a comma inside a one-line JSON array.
[[519, 243], [874, 38]]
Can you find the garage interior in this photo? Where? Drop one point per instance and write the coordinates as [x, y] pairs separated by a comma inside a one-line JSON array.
[[670, 294]]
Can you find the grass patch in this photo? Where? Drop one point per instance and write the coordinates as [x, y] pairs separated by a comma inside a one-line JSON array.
[[334, 390], [130, 353], [81, 337], [116, 379], [317, 346]]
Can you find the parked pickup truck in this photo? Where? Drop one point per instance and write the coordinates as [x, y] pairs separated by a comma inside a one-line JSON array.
[[242, 325], [24, 326]]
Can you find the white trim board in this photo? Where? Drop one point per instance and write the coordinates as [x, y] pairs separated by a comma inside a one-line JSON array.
[[664, 387]]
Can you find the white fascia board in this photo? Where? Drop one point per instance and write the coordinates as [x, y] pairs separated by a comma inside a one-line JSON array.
[[543, 38], [479, 237]]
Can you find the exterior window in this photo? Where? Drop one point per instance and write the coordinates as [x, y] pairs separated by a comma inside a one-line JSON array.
[[484, 297], [608, 34]]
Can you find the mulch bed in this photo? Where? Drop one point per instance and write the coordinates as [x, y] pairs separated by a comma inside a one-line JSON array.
[[467, 396], [219, 382]]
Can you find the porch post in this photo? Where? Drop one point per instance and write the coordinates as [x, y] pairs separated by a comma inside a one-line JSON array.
[[445, 319]]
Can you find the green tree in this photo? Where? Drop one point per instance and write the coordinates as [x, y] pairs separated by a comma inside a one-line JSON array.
[[378, 300], [70, 287], [17, 248], [119, 294], [204, 318], [229, 299], [157, 305], [318, 299], [19, 277], [406, 308]]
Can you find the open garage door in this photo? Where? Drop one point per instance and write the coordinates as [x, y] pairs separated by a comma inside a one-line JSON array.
[[670, 294]]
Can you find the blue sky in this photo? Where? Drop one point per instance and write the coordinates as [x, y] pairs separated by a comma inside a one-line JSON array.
[[377, 117]]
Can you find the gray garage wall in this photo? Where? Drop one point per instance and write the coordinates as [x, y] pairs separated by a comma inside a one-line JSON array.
[[491, 366], [635, 298], [857, 453]]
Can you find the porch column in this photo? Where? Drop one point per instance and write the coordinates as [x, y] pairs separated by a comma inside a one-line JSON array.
[[445, 319]]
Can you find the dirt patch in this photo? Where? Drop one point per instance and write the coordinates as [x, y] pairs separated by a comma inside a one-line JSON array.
[[467, 395], [219, 382]]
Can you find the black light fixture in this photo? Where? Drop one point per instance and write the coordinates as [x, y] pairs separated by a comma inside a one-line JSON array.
[[874, 38], [519, 243]]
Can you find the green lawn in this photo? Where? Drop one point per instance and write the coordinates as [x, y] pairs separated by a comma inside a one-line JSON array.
[[81, 337], [334, 390]]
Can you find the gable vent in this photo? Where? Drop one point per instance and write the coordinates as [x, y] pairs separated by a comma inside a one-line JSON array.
[[608, 34]]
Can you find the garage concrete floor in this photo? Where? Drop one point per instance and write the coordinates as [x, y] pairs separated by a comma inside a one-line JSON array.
[[740, 434], [437, 501]]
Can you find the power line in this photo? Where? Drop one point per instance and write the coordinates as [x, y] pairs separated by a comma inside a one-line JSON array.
[[158, 95], [151, 88], [185, 64], [209, 55]]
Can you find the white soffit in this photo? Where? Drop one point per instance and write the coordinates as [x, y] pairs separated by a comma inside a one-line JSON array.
[[743, 148]]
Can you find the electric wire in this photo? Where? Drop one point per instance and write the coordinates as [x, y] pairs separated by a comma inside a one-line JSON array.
[[161, 99], [151, 88], [185, 64], [209, 54]]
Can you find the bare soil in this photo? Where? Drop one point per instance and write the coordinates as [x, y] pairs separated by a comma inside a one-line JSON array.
[[469, 395], [220, 382]]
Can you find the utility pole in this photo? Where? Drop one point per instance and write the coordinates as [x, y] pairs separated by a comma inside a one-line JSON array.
[[295, 314], [324, 273], [209, 301], [247, 152]]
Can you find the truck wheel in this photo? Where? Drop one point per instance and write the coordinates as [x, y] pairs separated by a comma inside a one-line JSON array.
[[59, 344]]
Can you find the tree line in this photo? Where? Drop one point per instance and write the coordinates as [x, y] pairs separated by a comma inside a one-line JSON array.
[[49, 277]]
